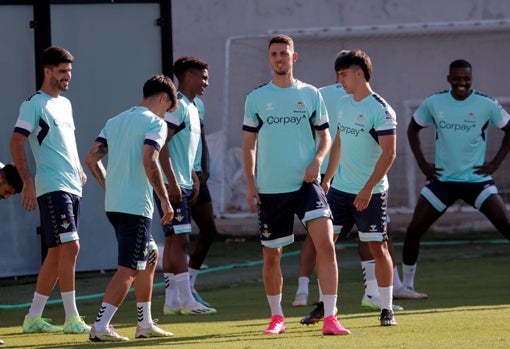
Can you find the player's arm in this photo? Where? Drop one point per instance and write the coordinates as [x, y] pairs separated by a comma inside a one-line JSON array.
[[249, 156], [388, 144], [83, 176], [334, 162], [153, 172], [196, 188], [17, 148], [428, 169], [94, 162], [491, 167], [204, 161], [313, 170], [174, 190]]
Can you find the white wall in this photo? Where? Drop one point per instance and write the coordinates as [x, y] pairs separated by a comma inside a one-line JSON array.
[[406, 67], [202, 27], [117, 46], [20, 244]]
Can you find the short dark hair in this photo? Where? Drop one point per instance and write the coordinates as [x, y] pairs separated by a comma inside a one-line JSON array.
[[56, 55], [338, 57], [281, 39], [185, 63], [355, 57], [460, 63], [12, 177], [160, 83]]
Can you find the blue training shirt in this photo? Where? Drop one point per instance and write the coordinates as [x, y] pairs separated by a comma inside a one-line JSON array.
[[185, 121], [197, 166], [285, 120], [360, 124], [128, 189], [48, 123], [331, 95], [461, 132]]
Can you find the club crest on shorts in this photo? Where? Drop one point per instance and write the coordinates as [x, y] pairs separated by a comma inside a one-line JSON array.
[[65, 223], [265, 232], [319, 204]]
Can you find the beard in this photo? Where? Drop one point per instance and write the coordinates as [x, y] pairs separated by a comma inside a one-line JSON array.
[[281, 71], [63, 85], [60, 85]]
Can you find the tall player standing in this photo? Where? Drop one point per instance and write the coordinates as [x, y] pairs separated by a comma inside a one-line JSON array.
[[132, 141], [46, 121], [371, 298], [177, 158], [282, 169], [460, 117]]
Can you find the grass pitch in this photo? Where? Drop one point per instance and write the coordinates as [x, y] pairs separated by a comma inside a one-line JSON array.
[[468, 307]]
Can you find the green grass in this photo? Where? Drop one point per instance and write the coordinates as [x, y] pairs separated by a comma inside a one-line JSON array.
[[468, 308]]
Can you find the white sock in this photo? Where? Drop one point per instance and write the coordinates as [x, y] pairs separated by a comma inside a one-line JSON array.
[[143, 312], [408, 271], [38, 304], [386, 296], [69, 301], [182, 281], [396, 279], [193, 273], [321, 296], [171, 293], [303, 285], [329, 304], [369, 279], [275, 303], [104, 316]]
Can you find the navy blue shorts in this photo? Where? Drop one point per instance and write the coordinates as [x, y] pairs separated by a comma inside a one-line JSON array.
[[442, 195], [371, 222], [204, 196], [276, 214], [181, 224], [134, 239], [60, 212]]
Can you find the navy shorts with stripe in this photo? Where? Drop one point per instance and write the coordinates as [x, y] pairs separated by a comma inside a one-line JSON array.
[[442, 195], [60, 212], [371, 222], [181, 223], [276, 214], [134, 237]]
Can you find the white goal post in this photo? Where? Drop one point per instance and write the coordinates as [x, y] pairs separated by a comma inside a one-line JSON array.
[[410, 63]]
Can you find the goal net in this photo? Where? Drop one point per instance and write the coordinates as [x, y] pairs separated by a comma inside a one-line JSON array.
[[410, 63]]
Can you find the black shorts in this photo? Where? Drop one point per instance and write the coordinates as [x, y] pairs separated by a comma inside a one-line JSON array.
[[181, 223], [442, 195], [134, 239], [371, 222], [60, 213], [204, 196], [276, 215]]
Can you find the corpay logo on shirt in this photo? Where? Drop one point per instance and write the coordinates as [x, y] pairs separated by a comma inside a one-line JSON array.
[[456, 127], [296, 120]]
